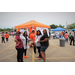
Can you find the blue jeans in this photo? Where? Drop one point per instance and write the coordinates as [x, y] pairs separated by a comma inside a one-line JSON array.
[[43, 48], [66, 40]]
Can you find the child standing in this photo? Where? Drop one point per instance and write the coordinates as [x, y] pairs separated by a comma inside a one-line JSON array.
[[6, 36], [66, 36]]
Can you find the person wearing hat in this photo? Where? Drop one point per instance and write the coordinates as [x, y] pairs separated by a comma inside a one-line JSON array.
[[19, 47]]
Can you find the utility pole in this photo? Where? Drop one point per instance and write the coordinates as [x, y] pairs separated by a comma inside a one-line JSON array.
[[66, 24]]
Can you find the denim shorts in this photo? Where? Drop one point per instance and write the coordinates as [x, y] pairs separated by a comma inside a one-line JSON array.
[[43, 48]]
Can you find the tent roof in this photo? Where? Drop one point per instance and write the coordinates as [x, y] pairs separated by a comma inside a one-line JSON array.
[[59, 29], [72, 29], [32, 23]]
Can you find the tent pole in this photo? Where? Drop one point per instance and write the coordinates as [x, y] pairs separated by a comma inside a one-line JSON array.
[[32, 23]]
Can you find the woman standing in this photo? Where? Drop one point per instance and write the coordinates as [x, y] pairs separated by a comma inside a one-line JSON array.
[[66, 36], [38, 45], [25, 39], [3, 37], [19, 47], [44, 44]]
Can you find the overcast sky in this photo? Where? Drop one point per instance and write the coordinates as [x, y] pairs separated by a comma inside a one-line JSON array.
[[11, 19]]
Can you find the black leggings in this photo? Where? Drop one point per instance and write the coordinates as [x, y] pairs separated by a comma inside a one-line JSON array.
[[19, 54], [24, 51], [34, 48], [3, 40], [39, 52], [72, 39]]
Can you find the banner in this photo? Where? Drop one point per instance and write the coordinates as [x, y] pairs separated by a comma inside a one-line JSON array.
[[22, 30]]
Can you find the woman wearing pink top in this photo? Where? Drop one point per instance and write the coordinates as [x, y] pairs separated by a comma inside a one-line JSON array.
[[3, 37], [19, 47], [66, 36], [13, 34]]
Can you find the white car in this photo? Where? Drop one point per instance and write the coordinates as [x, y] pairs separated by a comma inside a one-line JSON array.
[[52, 34]]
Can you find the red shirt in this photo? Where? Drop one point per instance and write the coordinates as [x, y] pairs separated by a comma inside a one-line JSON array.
[[21, 43], [66, 35], [32, 36], [7, 35]]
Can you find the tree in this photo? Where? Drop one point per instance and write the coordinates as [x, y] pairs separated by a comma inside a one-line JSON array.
[[61, 26], [5, 29], [71, 26], [53, 26]]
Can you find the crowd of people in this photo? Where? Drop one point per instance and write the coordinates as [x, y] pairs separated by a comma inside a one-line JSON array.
[[39, 41], [5, 35], [66, 35], [70, 36]]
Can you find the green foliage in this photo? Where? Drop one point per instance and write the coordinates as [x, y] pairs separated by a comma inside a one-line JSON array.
[[6, 29], [53, 26], [61, 26], [71, 26]]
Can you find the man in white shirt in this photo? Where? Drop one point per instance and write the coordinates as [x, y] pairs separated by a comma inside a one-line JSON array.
[[72, 37]]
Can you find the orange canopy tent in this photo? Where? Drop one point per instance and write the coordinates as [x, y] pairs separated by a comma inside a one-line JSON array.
[[32, 23]]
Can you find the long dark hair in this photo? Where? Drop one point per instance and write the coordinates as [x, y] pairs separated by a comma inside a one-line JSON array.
[[37, 32], [24, 34]]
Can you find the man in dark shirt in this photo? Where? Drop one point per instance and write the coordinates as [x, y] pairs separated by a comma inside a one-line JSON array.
[[44, 44]]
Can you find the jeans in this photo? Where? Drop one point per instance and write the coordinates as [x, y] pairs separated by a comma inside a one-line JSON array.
[[43, 48], [6, 39], [66, 40]]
